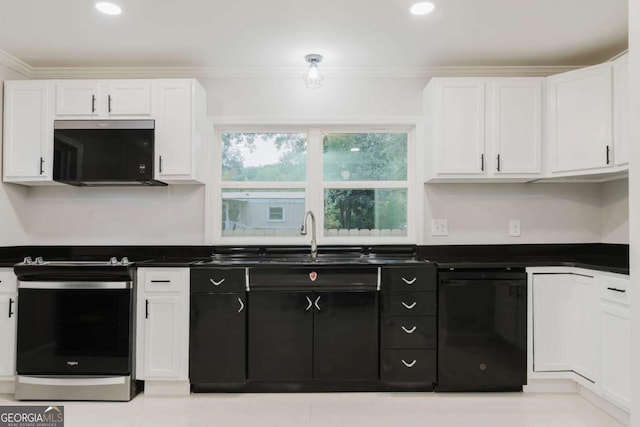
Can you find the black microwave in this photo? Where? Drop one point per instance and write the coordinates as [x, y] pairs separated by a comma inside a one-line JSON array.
[[104, 152]]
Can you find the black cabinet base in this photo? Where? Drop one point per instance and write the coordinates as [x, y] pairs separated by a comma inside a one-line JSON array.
[[309, 387]]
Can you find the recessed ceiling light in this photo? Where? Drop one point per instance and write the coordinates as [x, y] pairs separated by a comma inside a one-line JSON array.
[[109, 8], [355, 149], [422, 8]]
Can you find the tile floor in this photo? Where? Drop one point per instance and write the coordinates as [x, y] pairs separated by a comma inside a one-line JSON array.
[[340, 410]]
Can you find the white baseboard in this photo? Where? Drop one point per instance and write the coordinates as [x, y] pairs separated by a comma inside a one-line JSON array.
[[7, 385], [550, 386], [616, 412], [167, 388]]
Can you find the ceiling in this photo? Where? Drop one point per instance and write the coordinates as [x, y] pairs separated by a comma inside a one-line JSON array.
[[278, 33]]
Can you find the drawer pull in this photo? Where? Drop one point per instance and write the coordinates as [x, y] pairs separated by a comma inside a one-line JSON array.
[[410, 364], [310, 303], [216, 283], [161, 281], [316, 303], [617, 290], [409, 331], [409, 282], [409, 306], [241, 305]]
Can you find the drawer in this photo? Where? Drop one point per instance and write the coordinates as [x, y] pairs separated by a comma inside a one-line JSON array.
[[409, 332], [8, 281], [165, 279], [218, 280], [408, 366], [614, 289], [409, 279], [409, 303]]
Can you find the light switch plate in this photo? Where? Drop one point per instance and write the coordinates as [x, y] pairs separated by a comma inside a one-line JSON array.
[[439, 227], [514, 228]]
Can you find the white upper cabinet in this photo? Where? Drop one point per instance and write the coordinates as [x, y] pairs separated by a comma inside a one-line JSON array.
[[180, 109], [28, 132], [480, 128], [515, 125], [621, 109], [94, 99], [580, 114]]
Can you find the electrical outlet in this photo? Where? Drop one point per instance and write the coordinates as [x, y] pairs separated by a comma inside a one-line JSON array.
[[514, 228], [439, 227]]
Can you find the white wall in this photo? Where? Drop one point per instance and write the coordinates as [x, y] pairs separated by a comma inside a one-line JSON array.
[[12, 197], [615, 211]]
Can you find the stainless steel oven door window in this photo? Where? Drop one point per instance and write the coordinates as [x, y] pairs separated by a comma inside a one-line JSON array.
[[74, 328]]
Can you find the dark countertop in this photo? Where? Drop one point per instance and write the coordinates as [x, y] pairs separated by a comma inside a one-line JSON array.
[[610, 265]]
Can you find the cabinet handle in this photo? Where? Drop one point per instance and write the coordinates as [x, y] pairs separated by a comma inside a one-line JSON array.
[[109, 102], [93, 103], [41, 165], [161, 281], [160, 163], [410, 331], [409, 281], [310, 303], [11, 313], [241, 305], [216, 283], [316, 303], [409, 306], [498, 162], [146, 309], [482, 162], [410, 364], [608, 151], [622, 291]]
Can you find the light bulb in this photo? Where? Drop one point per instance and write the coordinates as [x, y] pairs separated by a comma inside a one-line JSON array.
[[313, 72]]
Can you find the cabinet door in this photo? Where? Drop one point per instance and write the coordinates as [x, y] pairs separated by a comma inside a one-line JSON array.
[[616, 353], [621, 110], [129, 98], [165, 346], [280, 336], [551, 294], [78, 98], [28, 131], [583, 327], [459, 126], [515, 121], [8, 309], [217, 337], [580, 118], [345, 331]]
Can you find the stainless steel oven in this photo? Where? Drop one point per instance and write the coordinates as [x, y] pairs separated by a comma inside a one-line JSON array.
[[75, 331]]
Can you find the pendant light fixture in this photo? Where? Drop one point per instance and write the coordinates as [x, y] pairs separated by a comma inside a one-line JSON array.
[[313, 79]]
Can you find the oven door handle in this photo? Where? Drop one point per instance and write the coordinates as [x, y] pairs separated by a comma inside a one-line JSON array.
[[74, 285]]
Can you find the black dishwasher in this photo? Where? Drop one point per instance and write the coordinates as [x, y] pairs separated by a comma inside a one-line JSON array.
[[482, 329]]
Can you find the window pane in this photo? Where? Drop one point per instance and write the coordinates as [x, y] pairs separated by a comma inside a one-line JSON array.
[[365, 212], [249, 212], [364, 157], [264, 156]]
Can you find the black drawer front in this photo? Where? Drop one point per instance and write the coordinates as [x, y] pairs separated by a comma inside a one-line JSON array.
[[409, 279], [409, 332], [409, 303], [218, 280], [408, 365]]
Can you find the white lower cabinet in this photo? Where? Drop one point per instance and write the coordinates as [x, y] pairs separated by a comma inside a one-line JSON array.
[[162, 342], [581, 330], [8, 315]]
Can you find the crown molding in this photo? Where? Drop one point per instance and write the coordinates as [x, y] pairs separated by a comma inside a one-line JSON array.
[[15, 64], [280, 72]]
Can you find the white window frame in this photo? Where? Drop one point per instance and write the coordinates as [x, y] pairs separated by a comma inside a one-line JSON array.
[[269, 219], [314, 186]]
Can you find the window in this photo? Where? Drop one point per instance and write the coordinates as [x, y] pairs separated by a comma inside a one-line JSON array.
[[356, 182], [275, 214]]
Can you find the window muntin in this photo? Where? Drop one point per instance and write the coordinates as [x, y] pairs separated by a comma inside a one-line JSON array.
[[263, 157], [364, 156]]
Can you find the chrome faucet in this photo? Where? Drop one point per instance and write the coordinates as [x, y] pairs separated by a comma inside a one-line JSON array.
[[303, 231]]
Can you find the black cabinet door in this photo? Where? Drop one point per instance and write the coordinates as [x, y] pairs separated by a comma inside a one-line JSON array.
[[345, 335], [280, 336], [217, 338]]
